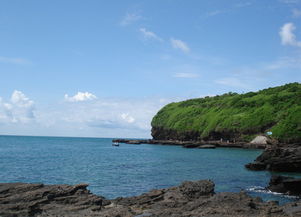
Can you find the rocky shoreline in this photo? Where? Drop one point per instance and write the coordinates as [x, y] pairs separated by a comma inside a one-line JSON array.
[[275, 157], [280, 159], [188, 199], [194, 144]]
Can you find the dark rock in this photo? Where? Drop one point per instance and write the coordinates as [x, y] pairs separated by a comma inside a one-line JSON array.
[[159, 133], [194, 199], [286, 185], [134, 142], [233, 136], [285, 159], [207, 146], [189, 199], [193, 143], [191, 146], [256, 166], [20, 199]]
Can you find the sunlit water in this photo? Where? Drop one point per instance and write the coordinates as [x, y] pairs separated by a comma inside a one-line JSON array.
[[128, 169]]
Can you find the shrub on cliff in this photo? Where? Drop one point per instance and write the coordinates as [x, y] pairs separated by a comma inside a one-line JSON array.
[[234, 116]]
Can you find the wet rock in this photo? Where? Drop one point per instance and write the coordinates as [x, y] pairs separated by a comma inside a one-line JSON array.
[[20, 199], [189, 199], [191, 146], [283, 159], [134, 142], [207, 146], [256, 166], [286, 185]]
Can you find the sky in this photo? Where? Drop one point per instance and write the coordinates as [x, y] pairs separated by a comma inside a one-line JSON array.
[[104, 68]]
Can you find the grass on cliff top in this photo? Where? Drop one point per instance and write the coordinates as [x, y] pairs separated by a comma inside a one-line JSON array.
[[276, 109]]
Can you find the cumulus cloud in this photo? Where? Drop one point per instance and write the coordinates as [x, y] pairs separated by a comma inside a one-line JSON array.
[[80, 96], [186, 75], [287, 35], [19, 109], [178, 44], [149, 35], [104, 117], [129, 18]]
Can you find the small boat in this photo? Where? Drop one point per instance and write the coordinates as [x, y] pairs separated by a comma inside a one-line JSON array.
[[115, 144]]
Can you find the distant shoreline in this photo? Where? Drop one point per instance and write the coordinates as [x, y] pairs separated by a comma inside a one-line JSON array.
[[193, 144]]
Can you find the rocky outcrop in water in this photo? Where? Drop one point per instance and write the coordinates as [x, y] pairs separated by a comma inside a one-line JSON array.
[[285, 185], [282, 159], [189, 199]]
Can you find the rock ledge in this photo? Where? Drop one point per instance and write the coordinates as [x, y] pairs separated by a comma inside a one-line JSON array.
[[189, 199]]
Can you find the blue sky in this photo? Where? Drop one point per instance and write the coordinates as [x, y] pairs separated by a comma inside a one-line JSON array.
[[104, 68]]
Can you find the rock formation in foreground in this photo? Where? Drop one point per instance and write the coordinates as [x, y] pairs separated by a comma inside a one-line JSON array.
[[188, 199], [282, 159]]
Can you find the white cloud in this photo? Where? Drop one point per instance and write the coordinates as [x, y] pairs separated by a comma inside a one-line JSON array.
[[19, 109], [287, 35], [102, 117], [21, 61], [186, 75], [178, 44], [105, 117], [126, 117], [296, 13], [149, 35], [130, 18], [80, 96]]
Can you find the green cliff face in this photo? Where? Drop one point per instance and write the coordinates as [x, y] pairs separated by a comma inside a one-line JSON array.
[[233, 116]]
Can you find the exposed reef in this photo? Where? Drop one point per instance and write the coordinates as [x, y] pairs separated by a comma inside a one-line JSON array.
[[21, 199], [282, 159], [189, 199]]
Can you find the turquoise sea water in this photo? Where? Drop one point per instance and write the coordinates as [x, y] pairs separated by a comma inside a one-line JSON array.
[[128, 169]]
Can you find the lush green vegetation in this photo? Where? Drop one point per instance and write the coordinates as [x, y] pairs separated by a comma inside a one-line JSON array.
[[276, 109]]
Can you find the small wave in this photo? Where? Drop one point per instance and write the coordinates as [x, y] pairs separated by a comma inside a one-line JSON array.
[[260, 189]]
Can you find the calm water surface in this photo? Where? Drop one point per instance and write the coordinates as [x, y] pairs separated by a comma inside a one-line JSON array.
[[129, 169]]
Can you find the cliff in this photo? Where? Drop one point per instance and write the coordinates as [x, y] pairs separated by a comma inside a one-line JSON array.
[[234, 117]]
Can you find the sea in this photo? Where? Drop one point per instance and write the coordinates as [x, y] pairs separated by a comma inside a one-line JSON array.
[[129, 170]]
